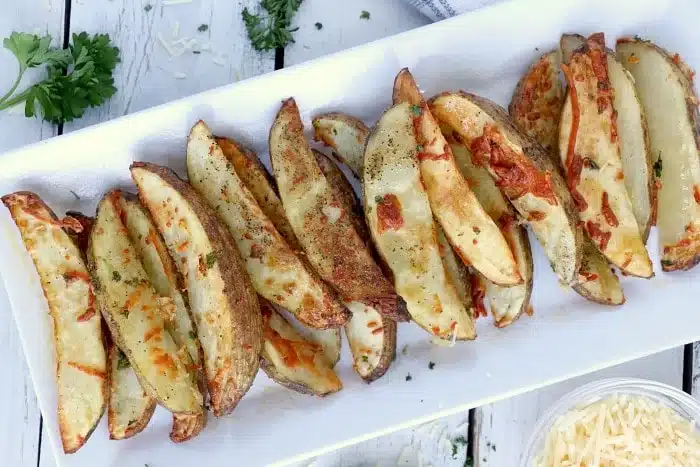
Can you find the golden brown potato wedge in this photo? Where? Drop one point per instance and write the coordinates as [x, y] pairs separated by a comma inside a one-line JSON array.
[[274, 269], [473, 234], [666, 92], [401, 222], [506, 303], [133, 312], [168, 282], [346, 135], [597, 281], [372, 337], [81, 360], [294, 362], [521, 169], [130, 407], [261, 185], [590, 153], [222, 300], [328, 237], [568, 43], [537, 100], [456, 270]]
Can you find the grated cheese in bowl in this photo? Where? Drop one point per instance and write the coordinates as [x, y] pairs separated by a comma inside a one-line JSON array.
[[620, 422]]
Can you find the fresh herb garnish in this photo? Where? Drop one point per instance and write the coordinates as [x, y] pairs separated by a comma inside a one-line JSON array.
[[193, 335], [116, 277], [364, 14], [378, 199], [431, 365], [122, 361], [210, 260], [658, 167], [416, 110], [272, 30], [203, 27], [148, 7], [476, 230], [78, 77], [365, 358], [409, 377], [419, 148], [319, 26], [666, 262]]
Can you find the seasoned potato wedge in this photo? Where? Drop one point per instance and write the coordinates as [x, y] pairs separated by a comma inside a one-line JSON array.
[[291, 360], [222, 300], [456, 270], [506, 303], [133, 312], [401, 222], [473, 234], [589, 150], [597, 282], [328, 237], [372, 337], [130, 407], [521, 169], [81, 360], [261, 185], [167, 281], [568, 43], [275, 271], [537, 100], [665, 89], [346, 135]]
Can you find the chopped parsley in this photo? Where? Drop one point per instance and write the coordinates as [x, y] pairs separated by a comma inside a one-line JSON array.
[[271, 29], [378, 199], [193, 335], [148, 7], [365, 358], [210, 260], [122, 361], [419, 148], [476, 230], [203, 28], [318, 26], [409, 377], [364, 14], [416, 110], [658, 167], [666, 262], [116, 277], [431, 365]]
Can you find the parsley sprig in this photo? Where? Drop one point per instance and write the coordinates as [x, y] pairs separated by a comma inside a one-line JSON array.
[[271, 30], [77, 78]]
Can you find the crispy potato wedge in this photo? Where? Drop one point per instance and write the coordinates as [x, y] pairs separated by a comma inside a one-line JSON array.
[[292, 361], [167, 281], [521, 169], [665, 89], [275, 271], [456, 270], [590, 154], [537, 100], [81, 359], [401, 222], [130, 407], [372, 337], [568, 43], [132, 310], [506, 303], [328, 237], [261, 185], [597, 282], [222, 300], [474, 235], [346, 135]]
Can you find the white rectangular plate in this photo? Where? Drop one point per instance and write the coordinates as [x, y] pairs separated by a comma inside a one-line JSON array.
[[483, 52]]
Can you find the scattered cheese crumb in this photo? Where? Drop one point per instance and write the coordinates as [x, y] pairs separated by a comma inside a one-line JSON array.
[[179, 75], [621, 431], [165, 45], [332, 213], [218, 60]]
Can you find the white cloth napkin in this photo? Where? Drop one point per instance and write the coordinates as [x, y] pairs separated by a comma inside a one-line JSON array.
[[441, 9]]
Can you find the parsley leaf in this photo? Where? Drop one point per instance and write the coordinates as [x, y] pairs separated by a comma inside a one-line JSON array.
[[364, 14], [658, 167], [210, 260], [203, 27], [116, 277], [271, 30], [319, 26], [77, 78], [122, 361]]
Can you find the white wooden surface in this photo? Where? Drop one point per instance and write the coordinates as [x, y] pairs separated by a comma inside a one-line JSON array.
[[145, 78]]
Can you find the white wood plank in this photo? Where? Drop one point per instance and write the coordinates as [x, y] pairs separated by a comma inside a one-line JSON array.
[[343, 28], [147, 74], [19, 430], [502, 429]]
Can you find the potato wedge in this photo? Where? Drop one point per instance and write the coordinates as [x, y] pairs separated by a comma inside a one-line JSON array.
[[168, 282], [292, 361], [81, 359], [346, 135], [597, 282], [330, 241], [537, 100], [568, 43], [275, 271], [666, 92], [473, 234], [261, 185], [521, 169], [132, 310], [372, 337], [406, 238], [80, 238], [130, 407], [590, 153], [223, 303], [506, 303]]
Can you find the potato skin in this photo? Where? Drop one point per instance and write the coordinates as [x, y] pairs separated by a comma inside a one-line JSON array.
[[244, 317]]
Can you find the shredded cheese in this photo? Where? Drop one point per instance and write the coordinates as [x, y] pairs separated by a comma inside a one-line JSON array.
[[621, 431]]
